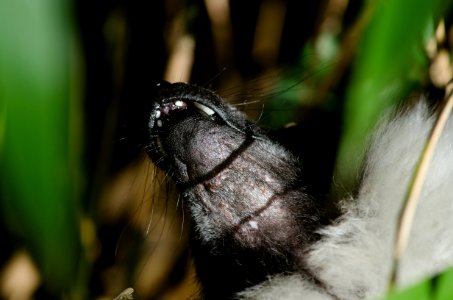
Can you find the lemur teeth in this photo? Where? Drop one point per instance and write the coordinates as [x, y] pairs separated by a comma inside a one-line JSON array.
[[204, 108]]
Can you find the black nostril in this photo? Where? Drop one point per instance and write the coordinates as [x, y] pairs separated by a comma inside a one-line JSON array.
[[159, 90], [162, 84], [162, 89]]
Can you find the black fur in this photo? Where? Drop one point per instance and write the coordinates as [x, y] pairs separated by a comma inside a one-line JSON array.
[[251, 217]]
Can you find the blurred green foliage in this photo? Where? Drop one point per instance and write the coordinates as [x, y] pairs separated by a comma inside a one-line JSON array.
[[39, 152]]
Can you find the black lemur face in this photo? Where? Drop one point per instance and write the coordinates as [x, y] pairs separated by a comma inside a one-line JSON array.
[[249, 212]]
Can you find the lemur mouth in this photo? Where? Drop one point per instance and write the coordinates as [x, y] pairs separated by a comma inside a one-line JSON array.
[[170, 111], [163, 111], [174, 104], [193, 134]]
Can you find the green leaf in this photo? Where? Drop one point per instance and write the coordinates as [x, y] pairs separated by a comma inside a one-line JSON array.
[[444, 286], [421, 291], [39, 199]]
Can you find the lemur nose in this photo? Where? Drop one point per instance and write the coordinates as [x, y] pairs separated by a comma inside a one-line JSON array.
[[160, 87], [163, 89], [162, 84]]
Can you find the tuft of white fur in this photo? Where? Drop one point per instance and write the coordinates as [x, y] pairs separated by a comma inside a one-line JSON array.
[[354, 257], [290, 287]]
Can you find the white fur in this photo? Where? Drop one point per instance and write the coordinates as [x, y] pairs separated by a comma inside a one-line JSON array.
[[354, 257]]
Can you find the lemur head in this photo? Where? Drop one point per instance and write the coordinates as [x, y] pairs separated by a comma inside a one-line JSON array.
[[244, 192]]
